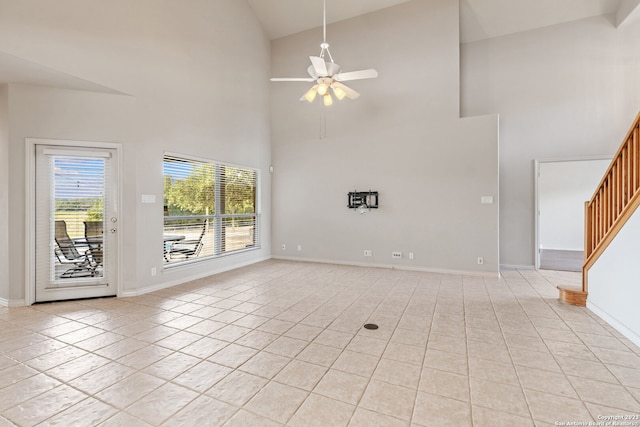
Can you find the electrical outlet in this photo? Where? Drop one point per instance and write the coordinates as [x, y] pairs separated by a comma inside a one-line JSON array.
[[299, 247], [368, 252], [480, 260], [396, 255], [284, 247], [410, 255], [154, 271]]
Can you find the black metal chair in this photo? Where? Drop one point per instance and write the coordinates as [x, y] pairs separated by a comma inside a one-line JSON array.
[[72, 252], [184, 249], [94, 235]]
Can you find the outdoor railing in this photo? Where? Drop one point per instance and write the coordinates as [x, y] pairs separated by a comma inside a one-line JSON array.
[[218, 235]]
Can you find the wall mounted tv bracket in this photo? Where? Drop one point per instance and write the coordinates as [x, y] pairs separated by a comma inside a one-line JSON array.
[[363, 200]]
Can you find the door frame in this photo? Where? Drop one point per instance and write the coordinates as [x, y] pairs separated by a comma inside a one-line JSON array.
[[30, 204], [536, 221]]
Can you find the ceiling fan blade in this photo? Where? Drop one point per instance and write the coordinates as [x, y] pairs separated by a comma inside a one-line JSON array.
[[292, 79], [312, 72], [319, 66], [349, 93], [356, 75]]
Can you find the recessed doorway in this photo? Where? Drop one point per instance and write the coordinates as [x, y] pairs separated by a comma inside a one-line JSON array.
[[562, 188]]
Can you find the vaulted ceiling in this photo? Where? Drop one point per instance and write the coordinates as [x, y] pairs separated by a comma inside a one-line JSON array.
[[479, 19]]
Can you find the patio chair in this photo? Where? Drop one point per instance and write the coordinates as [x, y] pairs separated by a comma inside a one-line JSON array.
[[69, 251], [252, 236], [94, 235], [185, 249]]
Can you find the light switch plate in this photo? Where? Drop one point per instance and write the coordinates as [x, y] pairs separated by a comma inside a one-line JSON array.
[[486, 200]]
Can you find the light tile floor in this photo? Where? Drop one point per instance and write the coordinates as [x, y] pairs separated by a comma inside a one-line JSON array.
[[282, 343]]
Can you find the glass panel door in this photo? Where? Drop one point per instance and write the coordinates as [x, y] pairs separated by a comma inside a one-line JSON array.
[[76, 222]]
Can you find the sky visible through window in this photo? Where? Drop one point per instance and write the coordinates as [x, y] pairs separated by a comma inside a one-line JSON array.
[[78, 177]]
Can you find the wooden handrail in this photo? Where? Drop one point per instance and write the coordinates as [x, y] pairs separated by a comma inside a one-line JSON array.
[[614, 201]]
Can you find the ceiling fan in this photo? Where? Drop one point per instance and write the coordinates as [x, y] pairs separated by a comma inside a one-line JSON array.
[[328, 74]]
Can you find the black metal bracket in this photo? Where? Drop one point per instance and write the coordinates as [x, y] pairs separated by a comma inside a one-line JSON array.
[[363, 199]]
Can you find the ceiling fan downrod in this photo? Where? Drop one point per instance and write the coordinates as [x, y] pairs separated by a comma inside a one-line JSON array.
[[324, 46]]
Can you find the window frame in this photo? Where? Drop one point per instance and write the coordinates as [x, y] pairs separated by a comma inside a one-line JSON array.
[[217, 217]]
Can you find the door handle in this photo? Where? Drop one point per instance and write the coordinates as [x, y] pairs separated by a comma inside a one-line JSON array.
[[113, 230]]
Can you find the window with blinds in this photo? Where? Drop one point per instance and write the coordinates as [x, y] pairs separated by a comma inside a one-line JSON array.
[[76, 186], [210, 209]]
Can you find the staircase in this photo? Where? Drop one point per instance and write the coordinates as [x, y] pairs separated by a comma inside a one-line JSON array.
[[614, 201]]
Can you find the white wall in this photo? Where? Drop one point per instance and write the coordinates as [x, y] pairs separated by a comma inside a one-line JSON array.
[[4, 193], [613, 282], [402, 137], [196, 82], [568, 90], [38, 111], [563, 188]]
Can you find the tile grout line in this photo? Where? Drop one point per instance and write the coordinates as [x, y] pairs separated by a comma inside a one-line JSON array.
[[567, 376]]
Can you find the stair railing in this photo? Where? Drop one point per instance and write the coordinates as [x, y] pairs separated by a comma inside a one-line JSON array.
[[614, 201]]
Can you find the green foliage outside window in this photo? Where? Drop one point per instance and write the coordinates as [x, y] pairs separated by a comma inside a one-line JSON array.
[[194, 194]]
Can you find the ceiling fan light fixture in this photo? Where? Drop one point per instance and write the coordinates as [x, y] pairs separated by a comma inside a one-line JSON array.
[[311, 94], [322, 89], [338, 92], [328, 101]]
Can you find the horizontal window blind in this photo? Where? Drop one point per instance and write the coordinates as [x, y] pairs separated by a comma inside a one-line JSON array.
[[209, 209], [77, 188]]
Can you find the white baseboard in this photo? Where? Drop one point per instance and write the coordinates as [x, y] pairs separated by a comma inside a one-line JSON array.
[[12, 303], [489, 274], [628, 333], [184, 279], [513, 267]]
